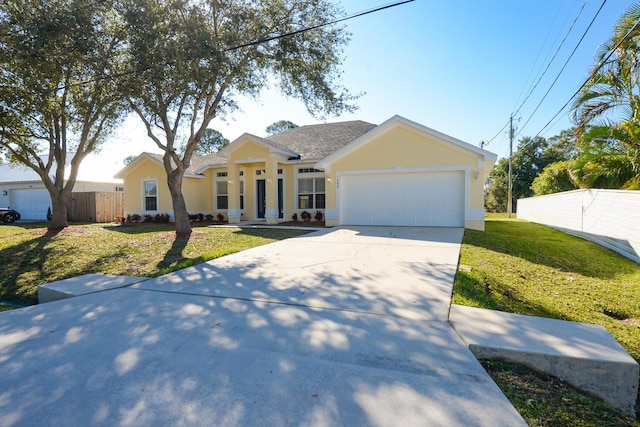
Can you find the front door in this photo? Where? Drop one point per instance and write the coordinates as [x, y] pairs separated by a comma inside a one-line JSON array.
[[261, 201], [280, 200]]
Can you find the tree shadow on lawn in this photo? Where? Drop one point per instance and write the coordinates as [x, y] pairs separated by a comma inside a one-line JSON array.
[[542, 245], [139, 228], [25, 258], [174, 256], [475, 292]]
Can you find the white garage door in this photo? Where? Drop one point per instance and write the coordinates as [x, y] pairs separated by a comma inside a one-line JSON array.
[[31, 203], [434, 199]]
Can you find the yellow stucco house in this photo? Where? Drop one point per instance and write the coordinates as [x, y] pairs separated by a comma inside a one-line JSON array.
[[355, 173]]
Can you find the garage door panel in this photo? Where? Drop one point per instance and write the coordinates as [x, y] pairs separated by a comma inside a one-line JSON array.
[[31, 203], [411, 199]]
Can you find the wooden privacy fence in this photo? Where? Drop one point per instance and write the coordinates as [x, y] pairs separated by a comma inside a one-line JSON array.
[[610, 218], [95, 206]]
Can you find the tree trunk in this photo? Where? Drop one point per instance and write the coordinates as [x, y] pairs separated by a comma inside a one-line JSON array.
[[59, 211], [174, 181]]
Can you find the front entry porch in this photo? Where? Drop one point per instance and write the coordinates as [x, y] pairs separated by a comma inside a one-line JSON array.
[[261, 196]]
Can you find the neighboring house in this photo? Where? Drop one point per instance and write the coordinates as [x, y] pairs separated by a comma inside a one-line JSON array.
[[355, 173], [22, 189]]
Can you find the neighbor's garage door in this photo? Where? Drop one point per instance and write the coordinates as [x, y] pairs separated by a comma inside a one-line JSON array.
[[434, 199], [31, 203]]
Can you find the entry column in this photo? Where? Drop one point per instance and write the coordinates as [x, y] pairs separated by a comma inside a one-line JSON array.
[[233, 193], [272, 212]]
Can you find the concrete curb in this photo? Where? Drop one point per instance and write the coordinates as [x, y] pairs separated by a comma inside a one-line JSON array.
[[585, 356]]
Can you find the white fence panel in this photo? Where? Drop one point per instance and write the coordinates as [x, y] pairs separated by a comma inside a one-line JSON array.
[[610, 218]]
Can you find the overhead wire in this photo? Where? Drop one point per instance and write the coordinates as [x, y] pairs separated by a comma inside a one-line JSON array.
[[232, 48], [303, 30], [496, 135], [589, 78], [565, 64], [545, 70], [552, 59], [535, 62]]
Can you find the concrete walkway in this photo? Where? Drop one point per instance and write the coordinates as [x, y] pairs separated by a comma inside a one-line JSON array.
[[340, 327]]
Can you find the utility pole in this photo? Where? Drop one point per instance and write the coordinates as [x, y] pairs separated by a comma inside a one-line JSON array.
[[509, 196]]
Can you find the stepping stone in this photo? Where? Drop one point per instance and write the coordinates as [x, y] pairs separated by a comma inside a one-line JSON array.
[[83, 285], [585, 356]]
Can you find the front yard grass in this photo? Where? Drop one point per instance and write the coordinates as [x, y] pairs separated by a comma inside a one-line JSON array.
[[30, 257], [526, 268]]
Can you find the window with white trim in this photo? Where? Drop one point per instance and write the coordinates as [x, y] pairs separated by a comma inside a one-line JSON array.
[[311, 193], [150, 195], [222, 195]]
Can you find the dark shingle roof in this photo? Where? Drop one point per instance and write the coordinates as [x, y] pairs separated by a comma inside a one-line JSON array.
[[199, 164], [315, 142], [312, 142]]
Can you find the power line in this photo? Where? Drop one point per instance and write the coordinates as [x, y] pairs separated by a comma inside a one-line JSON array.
[[535, 62], [485, 143], [591, 76], [229, 49], [553, 58], [565, 65], [304, 30], [593, 73]]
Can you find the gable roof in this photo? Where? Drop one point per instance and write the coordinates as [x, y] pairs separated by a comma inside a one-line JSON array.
[[264, 142], [399, 121], [307, 143], [322, 143], [315, 142], [198, 163]]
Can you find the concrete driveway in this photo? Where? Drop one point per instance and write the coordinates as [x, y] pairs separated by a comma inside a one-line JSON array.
[[344, 326]]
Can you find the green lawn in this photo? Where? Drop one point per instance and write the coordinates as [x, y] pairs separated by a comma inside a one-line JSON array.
[[30, 257], [526, 268]]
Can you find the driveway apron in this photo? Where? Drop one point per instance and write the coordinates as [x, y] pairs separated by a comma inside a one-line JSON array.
[[344, 326]]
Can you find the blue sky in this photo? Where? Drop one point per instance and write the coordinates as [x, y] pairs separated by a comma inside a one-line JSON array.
[[458, 66]]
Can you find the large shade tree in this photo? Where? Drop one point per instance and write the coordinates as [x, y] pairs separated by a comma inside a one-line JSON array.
[[57, 102], [211, 141], [280, 126], [607, 110], [191, 60], [532, 156]]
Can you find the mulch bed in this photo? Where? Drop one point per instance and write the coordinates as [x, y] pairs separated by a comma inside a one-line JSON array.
[[303, 223]]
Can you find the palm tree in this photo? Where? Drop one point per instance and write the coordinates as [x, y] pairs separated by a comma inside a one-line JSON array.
[[607, 111], [609, 157]]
